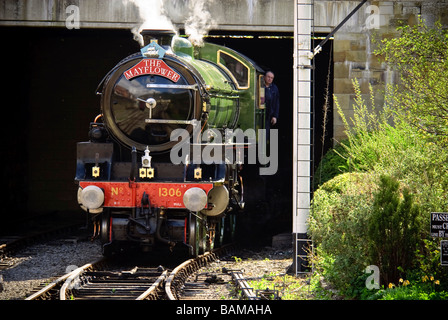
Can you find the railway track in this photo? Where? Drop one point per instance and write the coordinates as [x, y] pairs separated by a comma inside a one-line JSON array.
[[11, 244], [176, 281], [99, 281], [95, 282], [139, 283], [51, 290]]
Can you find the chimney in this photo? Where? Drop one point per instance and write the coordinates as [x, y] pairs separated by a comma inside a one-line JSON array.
[[163, 37]]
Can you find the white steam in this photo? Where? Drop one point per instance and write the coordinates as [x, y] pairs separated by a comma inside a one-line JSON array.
[[153, 16], [199, 21]]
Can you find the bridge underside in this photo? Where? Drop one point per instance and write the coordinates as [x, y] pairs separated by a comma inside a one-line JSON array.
[[230, 15]]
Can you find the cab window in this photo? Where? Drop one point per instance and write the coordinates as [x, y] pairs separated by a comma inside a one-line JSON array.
[[261, 98], [237, 69]]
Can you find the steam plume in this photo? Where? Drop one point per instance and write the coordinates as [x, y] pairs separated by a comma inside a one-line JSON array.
[[199, 22], [152, 15]]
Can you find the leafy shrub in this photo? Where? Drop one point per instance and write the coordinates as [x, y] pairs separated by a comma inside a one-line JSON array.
[[359, 219], [338, 224], [420, 55], [333, 163], [394, 230]]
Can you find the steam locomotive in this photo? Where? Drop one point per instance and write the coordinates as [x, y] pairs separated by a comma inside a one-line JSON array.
[[164, 157]]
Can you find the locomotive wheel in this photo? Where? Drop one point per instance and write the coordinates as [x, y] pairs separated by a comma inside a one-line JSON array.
[[197, 235], [229, 228], [105, 234], [237, 188], [239, 195], [192, 235], [105, 226], [219, 239], [212, 234]]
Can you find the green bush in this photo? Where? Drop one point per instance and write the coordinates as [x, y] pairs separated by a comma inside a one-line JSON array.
[[360, 219], [384, 143], [338, 224], [333, 163], [394, 230]]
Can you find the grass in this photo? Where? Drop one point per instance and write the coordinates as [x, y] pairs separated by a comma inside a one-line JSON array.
[[288, 287]]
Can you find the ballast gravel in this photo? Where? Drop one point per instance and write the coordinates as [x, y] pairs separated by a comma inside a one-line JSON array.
[[40, 263]]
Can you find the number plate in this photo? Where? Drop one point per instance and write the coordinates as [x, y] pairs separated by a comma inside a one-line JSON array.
[[125, 194]]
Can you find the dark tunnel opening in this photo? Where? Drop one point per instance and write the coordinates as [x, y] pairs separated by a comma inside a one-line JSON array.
[[52, 74]]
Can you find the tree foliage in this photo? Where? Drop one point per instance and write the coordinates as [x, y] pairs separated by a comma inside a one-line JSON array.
[[420, 55]]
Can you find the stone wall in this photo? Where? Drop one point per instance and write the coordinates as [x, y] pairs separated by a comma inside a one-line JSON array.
[[355, 43]]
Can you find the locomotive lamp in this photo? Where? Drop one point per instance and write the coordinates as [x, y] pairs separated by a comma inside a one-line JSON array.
[[146, 171], [91, 197], [195, 199]]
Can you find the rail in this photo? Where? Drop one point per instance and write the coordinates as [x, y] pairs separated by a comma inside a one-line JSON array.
[[151, 292], [64, 293], [246, 290], [179, 275], [58, 284]]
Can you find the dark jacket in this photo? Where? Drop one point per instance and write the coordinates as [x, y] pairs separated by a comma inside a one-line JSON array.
[[272, 98]]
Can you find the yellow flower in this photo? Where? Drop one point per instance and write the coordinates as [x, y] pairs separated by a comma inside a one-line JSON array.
[[401, 280], [424, 278], [391, 285], [406, 282], [432, 278], [437, 282]]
